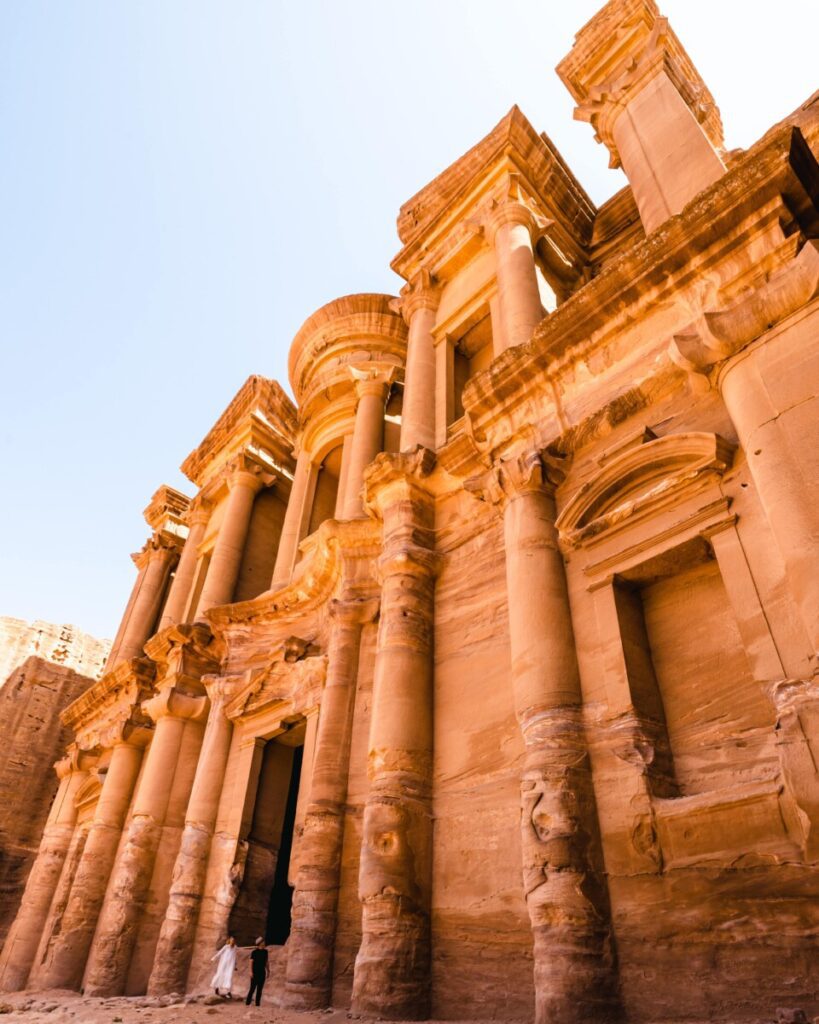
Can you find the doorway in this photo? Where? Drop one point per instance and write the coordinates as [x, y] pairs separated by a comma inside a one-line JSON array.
[[263, 905]]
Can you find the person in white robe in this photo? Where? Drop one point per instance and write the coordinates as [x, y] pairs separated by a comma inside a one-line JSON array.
[[227, 965]]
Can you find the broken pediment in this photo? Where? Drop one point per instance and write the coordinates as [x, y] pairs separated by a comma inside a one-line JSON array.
[[641, 480]]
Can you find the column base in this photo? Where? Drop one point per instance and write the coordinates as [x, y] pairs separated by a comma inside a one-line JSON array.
[[393, 963]]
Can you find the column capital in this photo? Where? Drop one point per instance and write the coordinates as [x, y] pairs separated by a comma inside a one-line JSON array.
[[222, 689], [422, 291], [405, 471], [129, 725], [158, 547], [373, 378], [531, 472], [353, 611], [173, 703], [248, 470], [65, 766], [77, 760], [512, 206], [184, 653], [199, 512]]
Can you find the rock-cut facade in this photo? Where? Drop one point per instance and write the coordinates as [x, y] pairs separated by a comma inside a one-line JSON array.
[[482, 679]]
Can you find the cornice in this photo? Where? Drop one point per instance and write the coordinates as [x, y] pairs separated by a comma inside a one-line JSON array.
[[260, 415]]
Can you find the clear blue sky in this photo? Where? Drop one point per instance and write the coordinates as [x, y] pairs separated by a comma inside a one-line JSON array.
[[183, 183]]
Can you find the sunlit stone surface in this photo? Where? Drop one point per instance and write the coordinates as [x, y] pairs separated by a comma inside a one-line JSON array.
[[496, 652]]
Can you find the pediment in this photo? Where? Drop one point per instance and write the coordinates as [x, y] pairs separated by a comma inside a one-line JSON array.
[[277, 683], [641, 481]]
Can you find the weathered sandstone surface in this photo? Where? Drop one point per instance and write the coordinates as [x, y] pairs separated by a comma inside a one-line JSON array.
[[482, 680], [43, 668]]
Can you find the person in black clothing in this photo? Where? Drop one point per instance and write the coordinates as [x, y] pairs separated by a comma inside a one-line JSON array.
[[259, 971]]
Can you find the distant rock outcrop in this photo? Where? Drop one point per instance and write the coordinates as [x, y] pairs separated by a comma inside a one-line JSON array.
[[43, 667]]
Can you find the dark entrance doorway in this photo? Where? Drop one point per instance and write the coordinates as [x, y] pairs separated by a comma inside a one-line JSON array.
[[262, 907]]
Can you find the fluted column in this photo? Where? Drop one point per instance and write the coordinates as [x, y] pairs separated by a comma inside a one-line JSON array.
[[418, 303], [368, 434], [392, 968], [565, 893], [63, 958], [175, 946], [295, 520], [25, 933], [173, 711], [154, 562], [509, 228], [244, 481], [185, 574], [309, 977]]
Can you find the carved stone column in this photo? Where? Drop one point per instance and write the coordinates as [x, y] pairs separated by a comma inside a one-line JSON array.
[[509, 227], [315, 900], [295, 520], [154, 562], [347, 446], [245, 478], [63, 958], [392, 968], [24, 937], [175, 945], [180, 591], [418, 304], [562, 877], [371, 387], [173, 710]]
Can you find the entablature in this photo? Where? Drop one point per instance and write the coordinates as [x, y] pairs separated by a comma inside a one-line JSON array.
[[347, 332], [110, 709], [167, 512], [183, 654], [339, 552], [435, 227]]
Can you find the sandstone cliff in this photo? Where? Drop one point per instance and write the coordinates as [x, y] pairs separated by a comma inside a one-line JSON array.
[[43, 667]]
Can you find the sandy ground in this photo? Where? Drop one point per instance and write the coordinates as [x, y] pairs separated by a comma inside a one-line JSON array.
[[60, 1007]]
